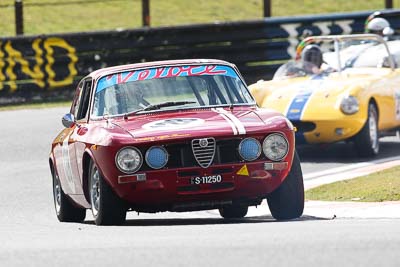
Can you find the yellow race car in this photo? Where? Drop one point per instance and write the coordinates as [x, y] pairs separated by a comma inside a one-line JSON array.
[[344, 87]]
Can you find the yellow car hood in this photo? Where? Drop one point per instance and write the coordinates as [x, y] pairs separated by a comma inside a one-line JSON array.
[[305, 98]]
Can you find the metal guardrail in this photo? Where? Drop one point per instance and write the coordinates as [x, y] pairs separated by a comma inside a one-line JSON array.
[[38, 65]]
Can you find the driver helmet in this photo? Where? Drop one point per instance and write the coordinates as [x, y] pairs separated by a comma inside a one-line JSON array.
[[312, 54], [379, 26]]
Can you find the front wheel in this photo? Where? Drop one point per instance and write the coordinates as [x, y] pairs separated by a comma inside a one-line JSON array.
[[65, 210], [287, 202], [107, 207], [367, 140]]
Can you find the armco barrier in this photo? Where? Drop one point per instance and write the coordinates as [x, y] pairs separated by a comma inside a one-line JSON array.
[[51, 64]]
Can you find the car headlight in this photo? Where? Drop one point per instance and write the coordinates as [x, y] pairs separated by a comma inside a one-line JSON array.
[[156, 157], [249, 149], [349, 105], [129, 159], [275, 146]]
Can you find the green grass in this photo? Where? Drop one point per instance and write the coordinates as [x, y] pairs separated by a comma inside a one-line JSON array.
[[127, 13], [36, 105], [377, 187]]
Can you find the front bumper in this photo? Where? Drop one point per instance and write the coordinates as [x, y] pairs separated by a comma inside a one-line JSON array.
[[327, 130], [175, 190]]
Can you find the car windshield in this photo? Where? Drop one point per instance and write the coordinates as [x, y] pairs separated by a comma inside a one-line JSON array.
[[169, 88], [353, 54]]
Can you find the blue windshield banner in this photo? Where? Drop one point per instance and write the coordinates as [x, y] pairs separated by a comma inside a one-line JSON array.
[[164, 72]]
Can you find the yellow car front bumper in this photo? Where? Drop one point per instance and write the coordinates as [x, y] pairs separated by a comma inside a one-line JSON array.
[[326, 130]]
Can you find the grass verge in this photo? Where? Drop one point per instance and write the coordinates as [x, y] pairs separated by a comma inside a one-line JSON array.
[[79, 16], [377, 187]]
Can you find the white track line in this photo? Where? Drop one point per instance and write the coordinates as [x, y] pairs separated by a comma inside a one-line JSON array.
[[315, 179], [338, 170]]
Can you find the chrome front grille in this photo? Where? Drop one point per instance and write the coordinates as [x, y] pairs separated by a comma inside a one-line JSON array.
[[204, 151]]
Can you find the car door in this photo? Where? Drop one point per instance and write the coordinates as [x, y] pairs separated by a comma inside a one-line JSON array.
[[63, 151], [77, 140], [396, 84], [68, 166], [393, 104], [390, 110]]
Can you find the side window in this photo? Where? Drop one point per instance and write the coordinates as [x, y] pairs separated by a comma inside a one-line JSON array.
[[77, 97], [84, 100]]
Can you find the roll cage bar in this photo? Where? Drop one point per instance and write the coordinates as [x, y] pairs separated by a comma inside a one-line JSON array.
[[341, 38]]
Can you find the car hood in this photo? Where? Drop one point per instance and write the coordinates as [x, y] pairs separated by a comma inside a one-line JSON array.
[[196, 123], [298, 96]]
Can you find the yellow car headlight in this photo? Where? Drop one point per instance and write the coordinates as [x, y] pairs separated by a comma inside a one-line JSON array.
[[349, 105]]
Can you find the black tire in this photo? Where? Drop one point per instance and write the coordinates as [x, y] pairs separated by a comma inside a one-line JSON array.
[[287, 201], [233, 211], [65, 210], [108, 209], [367, 140]]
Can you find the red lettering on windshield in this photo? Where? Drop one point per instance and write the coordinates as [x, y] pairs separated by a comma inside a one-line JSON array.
[[169, 73], [211, 70], [143, 75], [187, 70], [166, 72], [159, 72], [124, 80]]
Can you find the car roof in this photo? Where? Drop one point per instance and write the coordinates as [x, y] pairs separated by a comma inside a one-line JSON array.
[[121, 68]]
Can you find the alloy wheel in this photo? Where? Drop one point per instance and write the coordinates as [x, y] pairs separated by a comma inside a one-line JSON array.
[[373, 130], [95, 191], [57, 193]]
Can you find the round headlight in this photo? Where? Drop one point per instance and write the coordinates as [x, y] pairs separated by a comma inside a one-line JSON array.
[[249, 149], [129, 159], [156, 157], [349, 105], [275, 147]]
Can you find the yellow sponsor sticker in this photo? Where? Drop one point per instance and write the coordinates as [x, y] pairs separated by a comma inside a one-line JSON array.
[[243, 171]]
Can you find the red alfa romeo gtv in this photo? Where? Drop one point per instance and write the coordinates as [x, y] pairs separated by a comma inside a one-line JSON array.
[[172, 136]]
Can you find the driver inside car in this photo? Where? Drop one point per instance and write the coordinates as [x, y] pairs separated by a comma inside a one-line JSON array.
[[380, 26], [311, 58]]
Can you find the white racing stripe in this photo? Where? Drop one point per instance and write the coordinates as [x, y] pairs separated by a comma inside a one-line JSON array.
[[234, 130], [239, 125]]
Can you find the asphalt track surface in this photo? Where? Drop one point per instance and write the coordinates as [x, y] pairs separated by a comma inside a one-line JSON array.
[[30, 234]]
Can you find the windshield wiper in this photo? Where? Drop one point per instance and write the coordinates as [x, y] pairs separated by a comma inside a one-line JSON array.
[[159, 105], [166, 104]]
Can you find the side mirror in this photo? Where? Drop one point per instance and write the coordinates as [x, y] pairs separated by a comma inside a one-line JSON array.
[[68, 120]]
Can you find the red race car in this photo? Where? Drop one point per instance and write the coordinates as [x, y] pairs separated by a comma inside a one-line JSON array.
[[172, 136]]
